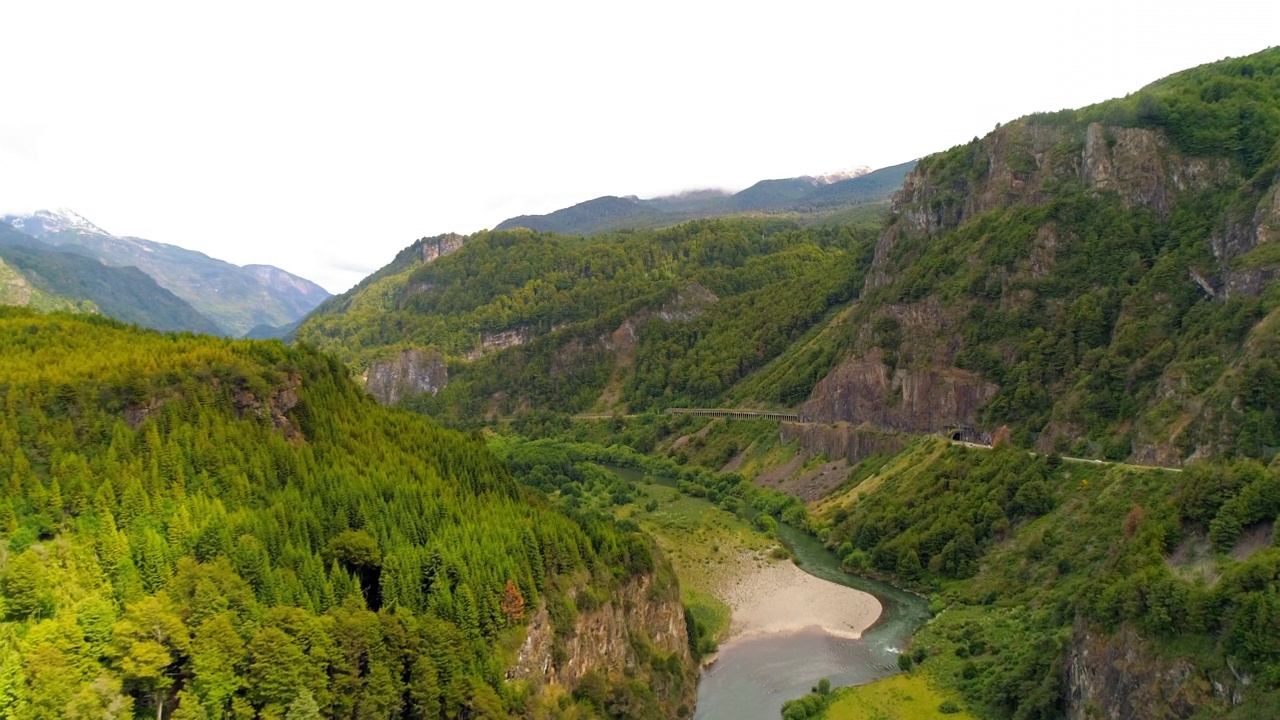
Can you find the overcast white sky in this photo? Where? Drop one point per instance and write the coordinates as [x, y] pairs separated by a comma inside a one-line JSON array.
[[324, 137]]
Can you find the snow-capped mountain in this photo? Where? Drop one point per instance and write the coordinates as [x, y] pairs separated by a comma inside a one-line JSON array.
[[236, 298], [836, 176], [46, 222]]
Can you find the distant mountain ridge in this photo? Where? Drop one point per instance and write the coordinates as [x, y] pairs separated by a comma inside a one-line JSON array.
[[807, 195], [235, 298], [44, 278]]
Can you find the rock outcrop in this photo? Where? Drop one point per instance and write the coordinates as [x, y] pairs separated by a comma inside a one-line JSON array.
[[842, 440], [438, 247], [1021, 162], [502, 339], [1233, 247], [408, 373], [1118, 677], [688, 303], [605, 640], [274, 406], [931, 399]]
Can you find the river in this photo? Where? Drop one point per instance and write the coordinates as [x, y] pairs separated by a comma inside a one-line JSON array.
[[752, 677]]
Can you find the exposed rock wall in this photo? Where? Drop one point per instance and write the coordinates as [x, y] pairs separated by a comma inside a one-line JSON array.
[[842, 440], [438, 247], [688, 303], [1119, 678], [604, 640], [502, 339], [1023, 160], [407, 373], [864, 389], [1244, 279]]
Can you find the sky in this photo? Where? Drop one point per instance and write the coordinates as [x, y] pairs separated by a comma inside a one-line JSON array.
[[324, 137]]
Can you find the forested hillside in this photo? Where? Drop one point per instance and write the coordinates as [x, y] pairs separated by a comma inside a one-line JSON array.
[[1066, 589], [195, 527], [568, 323], [16, 289], [1100, 280]]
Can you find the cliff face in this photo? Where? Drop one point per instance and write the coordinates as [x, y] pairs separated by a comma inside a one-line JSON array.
[[1022, 163], [1120, 678], [438, 247], [1246, 274], [842, 440], [407, 373], [616, 639], [930, 399], [503, 339]]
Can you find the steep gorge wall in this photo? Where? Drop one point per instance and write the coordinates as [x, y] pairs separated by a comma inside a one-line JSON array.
[[407, 373], [842, 440], [928, 399], [1119, 677], [609, 640]]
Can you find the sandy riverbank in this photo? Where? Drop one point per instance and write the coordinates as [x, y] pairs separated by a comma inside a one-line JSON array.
[[777, 596]]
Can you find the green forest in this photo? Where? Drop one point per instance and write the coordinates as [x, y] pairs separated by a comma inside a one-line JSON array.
[[198, 527], [711, 301], [1081, 303], [194, 527], [1019, 554]]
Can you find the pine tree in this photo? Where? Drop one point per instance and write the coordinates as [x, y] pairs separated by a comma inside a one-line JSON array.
[[25, 584], [275, 666], [152, 561], [189, 708], [8, 521], [424, 689], [111, 544]]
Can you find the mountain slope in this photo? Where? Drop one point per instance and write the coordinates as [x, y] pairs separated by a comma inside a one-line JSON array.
[[124, 293], [202, 527], [553, 322], [16, 290], [236, 298], [1101, 280], [805, 196]]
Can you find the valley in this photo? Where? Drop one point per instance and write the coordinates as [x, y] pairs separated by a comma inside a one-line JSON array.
[[992, 434]]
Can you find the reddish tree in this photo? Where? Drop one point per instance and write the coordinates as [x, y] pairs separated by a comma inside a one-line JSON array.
[[1003, 436], [1133, 520], [512, 603]]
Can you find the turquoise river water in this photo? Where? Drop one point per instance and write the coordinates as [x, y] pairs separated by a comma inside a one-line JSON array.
[[752, 677]]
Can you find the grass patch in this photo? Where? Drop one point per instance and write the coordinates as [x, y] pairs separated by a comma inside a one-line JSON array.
[[706, 545], [908, 696], [917, 458]]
